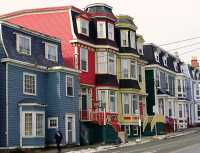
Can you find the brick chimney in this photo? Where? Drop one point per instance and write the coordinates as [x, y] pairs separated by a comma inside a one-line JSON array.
[[194, 62]]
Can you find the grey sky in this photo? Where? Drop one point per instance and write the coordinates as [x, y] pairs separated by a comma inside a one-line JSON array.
[[159, 21]]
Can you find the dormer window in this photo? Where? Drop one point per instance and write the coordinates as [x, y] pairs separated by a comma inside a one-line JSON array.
[[110, 31], [51, 52], [140, 48], [156, 54], [124, 38], [101, 29], [132, 39], [23, 44], [165, 60], [175, 66], [83, 26]]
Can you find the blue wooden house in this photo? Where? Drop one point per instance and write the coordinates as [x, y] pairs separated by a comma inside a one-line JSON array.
[[37, 93]]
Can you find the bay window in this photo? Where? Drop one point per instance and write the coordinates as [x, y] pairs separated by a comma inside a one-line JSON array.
[[33, 124], [110, 31], [130, 103], [111, 63], [126, 103], [112, 102], [101, 29], [84, 59], [124, 38], [133, 71], [132, 39]]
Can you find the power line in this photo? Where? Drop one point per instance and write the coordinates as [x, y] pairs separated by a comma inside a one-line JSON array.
[[184, 46], [175, 42], [188, 51]]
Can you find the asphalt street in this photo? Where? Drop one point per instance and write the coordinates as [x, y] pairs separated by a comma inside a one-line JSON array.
[[183, 144]]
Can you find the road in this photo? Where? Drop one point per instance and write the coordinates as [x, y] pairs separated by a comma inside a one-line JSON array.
[[183, 144]]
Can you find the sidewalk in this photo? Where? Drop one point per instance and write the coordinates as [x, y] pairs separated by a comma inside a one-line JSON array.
[[99, 147]]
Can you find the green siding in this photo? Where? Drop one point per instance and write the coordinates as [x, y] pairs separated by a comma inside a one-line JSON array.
[[149, 77]]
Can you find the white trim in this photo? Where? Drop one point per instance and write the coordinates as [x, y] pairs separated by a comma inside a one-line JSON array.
[[93, 45], [103, 30], [31, 104], [52, 118], [72, 77], [21, 126], [46, 51], [1, 38], [111, 30], [71, 24], [160, 67], [63, 68], [6, 105], [35, 77], [124, 33], [133, 36], [17, 44], [79, 22]]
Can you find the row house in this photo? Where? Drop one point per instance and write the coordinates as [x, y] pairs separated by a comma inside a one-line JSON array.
[[38, 93], [131, 75], [161, 85]]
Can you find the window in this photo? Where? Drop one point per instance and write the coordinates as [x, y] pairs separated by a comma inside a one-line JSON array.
[[101, 29], [170, 108], [112, 102], [197, 89], [140, 73], [111, 63], [156, 54], [179, 85], [161, 106], [140, 47], [124, 38], [165, 60], [84, 27], [84, 59], [135, 130], [198, 111], [29, 83], [135, 104], [183, 84], [102, 62], [132, 37], [102, 100], [125, 68], [110, 31], [175, 66], [53, 122], [23, 44], [126, 103], [158, 78], [33, 124], [51, 52], [69, 86], [167, 81], [133, 70], [180, 110], [127, 129]]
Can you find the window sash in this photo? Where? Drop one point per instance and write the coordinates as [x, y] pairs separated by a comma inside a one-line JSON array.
[[69, 85], [161, 106], [102, 99], [133, 71], [24, 44], [140, 73], [28, 125], [126, 104], [124, 38], [51, 52], [29, 83], [125, 68], [102, 62], [110, 31], [111, 63], [101, 29], [52, 122], [133, 41], [84, 59], [84, 27], [135, 103], [39, 124], [112, 101], [158, 78]]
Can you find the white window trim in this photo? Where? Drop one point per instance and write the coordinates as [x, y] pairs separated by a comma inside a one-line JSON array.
[[33, 124], [104, 30], [79, 20], [86, 60], [113, 31], [52, 118], [70, 76], [132, 33], [17, 44], [114, 59], [156, 55], [115, 95], [35, 76], [46, 51], [126, 33], [136, 70]]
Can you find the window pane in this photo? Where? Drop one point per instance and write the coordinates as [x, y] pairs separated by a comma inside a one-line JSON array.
[[69, 86], [84, 58], [111, 63], [24, 45], [112, 101], [51, 52], [101, 29], [102, 100], [124, 38], [102, 62], [28, 124], [39, 125], [125, 66], [29, 84], [110, 31], [133, 70], [84, 26], [126, 104], [140, 73], [135, 104], [132, 37]]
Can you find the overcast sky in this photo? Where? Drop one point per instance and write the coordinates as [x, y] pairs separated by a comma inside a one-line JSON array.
[[159, 21]]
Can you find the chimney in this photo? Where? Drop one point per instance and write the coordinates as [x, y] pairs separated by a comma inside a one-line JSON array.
[[194, 62]]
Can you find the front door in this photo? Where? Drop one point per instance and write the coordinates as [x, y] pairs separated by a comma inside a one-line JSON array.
[[70, 129]]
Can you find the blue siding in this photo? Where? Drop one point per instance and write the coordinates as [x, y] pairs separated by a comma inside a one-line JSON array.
[[58, 104], [37, 142], [2, 98], [15, 90]]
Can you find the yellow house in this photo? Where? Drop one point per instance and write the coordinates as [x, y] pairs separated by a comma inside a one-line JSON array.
[[131, 75]]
